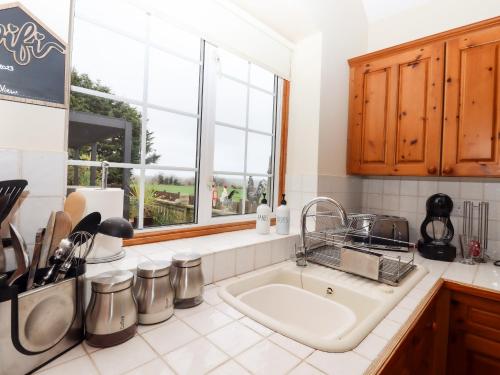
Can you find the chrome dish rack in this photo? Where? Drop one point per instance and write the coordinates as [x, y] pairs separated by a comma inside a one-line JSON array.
[[328, 236]]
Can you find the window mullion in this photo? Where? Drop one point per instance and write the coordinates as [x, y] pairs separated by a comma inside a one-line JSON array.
[[207, 136], [244, 200]]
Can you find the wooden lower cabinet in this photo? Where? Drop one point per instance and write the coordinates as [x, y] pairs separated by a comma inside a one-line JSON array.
[[458, 333]]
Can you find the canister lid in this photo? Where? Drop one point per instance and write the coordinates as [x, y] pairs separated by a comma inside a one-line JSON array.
[[112, 281], [185, 260], [154, 269]]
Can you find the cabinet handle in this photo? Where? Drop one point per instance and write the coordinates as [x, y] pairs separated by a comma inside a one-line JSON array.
[[447, 170], [431, 170]]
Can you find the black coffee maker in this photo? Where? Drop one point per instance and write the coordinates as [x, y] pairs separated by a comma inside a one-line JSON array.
[[437, 230]]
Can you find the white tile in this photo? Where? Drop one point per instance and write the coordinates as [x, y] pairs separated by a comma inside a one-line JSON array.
[[170, 336], [124, 357], [492, 191], [89, 349], [267, 358], [45, 172], [257, 327], [293, 182], [9, 164], [211, 295], [79, 366], [208, 320], [224, 264], [229, 368], [245, 259], [310, 183], [374, 201], [34, 213], [371, 346], [387, 329], [198, 357], [163, 255], [390, 202], [471, 190], [376, 186], [279, 250], [229, 311], [234, 338], [409, 303], [156, 367], [305, 369], [399, 315], [207, 268], [391, 187], [463, 273], [143, 328], [409, 187], [294, 347], [407, 204], [427, 187], [76, 352], [488, 276], [451, 188], [262, 255], [348, 363]]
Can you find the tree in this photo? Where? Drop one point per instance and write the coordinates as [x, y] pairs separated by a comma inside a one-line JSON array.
[[110, 149]]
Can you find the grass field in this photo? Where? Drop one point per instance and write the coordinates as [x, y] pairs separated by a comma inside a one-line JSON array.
[[189, 190]]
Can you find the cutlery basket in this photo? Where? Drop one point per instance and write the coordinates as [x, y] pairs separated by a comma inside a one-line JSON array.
[[39, 325]]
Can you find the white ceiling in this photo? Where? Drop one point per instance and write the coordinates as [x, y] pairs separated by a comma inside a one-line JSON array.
[[293, 18], [289, 18]]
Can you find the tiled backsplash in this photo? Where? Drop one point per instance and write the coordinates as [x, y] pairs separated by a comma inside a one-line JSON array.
[[407, 197], [46, 174]]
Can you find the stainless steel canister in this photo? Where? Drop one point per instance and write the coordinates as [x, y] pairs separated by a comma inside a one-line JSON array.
[[153, 292], [111, 316], [187, 280]]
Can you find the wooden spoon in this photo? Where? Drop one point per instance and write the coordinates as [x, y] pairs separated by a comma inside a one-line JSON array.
[[62, 229], [75, 205]]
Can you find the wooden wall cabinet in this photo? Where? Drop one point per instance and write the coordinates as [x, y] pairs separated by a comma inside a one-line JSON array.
[[429, 107], [471, 136], [396, 112]]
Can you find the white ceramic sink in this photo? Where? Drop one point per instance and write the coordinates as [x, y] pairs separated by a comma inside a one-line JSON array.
[[323, 308]]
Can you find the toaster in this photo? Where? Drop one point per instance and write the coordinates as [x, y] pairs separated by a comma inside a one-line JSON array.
[[385, 233]]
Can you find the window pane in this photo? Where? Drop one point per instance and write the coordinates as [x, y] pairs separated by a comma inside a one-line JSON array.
[[233, 65], [260, 113], [229, 149], [102, 129], [231, 102], [255, 187], [259, 158], [172, 139], [173, 82], [115, 61], [168, 36], [169, 198], [227, 195], [261, 78], [120, 178], [115, 14]]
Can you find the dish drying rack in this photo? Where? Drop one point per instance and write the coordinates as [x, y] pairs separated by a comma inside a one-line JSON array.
[[327, 238]]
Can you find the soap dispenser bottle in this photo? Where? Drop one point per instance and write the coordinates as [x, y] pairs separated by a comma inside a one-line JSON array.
[[263, 223], [283, 217]]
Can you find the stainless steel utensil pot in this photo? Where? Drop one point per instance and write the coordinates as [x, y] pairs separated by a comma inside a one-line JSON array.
[[187, 280], [111, 316], [153, 292]]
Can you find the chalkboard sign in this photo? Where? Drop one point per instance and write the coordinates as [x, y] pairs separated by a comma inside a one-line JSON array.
[[32, 59]]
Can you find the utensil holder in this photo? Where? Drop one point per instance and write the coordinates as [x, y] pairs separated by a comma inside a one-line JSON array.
[[40, 324]]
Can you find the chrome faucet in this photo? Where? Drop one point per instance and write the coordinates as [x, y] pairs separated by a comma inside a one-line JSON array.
[[302, 256]]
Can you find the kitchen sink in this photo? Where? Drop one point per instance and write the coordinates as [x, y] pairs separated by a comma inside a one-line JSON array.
[[320, 307]]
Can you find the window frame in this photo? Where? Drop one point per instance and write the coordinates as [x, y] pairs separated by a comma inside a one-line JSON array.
[[203, 223]]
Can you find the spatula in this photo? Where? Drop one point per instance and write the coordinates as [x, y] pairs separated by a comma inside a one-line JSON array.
[[21, 254], [75, 205], [47, 240]]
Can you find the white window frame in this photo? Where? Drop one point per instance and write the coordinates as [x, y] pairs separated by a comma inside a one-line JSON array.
[[206, 126]]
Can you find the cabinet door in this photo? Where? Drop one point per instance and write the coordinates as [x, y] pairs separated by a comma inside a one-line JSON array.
[[472, 112], [396, 114]]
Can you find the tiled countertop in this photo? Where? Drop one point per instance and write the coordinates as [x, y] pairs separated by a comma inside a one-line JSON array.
[[214, 338]]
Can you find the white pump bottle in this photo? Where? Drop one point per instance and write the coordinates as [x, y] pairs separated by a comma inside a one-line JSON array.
[[263, 224]]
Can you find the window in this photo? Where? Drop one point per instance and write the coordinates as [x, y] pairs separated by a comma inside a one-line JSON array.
[[189, 129]]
